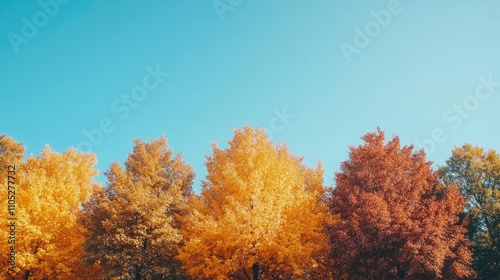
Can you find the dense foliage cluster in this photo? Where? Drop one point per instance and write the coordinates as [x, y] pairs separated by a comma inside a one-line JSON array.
[[261, 214]]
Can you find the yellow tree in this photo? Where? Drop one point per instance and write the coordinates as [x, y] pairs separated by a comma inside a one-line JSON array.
[[11, 156], [132, 225], [50, 190], [261, 214], [11, 153]]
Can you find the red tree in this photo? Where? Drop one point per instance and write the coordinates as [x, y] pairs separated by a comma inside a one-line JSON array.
[[396, 220]]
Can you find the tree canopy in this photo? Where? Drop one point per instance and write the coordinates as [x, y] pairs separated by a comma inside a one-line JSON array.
[[477, 173], [50, 189], [132, 226], [397, 220], [260, 215]]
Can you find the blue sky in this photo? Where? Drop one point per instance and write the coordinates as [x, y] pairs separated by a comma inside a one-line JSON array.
[[335, 69]]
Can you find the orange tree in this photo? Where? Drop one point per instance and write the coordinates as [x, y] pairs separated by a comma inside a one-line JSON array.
[[11, 154], [260, 215], [50, 189], [132, 226], [397, 220]]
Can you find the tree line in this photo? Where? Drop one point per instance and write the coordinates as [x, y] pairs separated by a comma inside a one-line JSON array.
[[261, 214]]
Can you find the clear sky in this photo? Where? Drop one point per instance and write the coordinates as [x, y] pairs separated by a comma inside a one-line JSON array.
[[317, 74]]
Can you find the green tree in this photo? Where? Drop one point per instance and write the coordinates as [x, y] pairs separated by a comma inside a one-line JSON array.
[[133, 225], [477, 173]]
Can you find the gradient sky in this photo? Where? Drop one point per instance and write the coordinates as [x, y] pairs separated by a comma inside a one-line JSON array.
[[417, 74]]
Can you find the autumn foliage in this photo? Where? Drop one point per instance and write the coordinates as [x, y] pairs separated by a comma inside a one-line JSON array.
[[132, 225], [397, 220], [262, 214], [11, 154], [50, 190]]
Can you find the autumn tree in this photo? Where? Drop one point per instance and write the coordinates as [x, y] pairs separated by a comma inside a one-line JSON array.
[[11, 154], [477, 174], [260, 215], [397, 220], [132, 225], [50, 190]]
